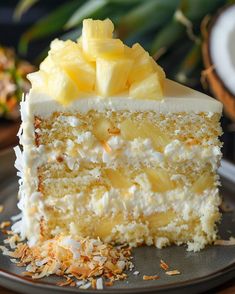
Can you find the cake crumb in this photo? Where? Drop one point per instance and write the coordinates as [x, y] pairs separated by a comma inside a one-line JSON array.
[[164, 265], [1, 208], [149, 278], [136, 273], [173, 273]]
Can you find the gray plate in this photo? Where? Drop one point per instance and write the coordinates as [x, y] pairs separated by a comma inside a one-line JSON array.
[[200, 271]]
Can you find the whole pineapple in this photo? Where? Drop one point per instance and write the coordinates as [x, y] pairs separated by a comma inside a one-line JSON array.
[[13, 82]]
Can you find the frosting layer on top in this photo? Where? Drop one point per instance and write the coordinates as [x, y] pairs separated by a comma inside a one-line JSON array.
[[178, 98]]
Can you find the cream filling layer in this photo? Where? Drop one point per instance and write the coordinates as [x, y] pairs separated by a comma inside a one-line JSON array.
[[137, 153], [178, 98]]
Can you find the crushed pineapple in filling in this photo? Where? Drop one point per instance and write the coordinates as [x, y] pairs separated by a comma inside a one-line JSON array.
[[129, 177]]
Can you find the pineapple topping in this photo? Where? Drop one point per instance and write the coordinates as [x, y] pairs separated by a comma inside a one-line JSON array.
[[100, 65]]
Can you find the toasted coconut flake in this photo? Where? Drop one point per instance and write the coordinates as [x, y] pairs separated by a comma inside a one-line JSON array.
[[1, 208], [50, 257], [93, 283], [99, 284], [80, 283], [164, 265], [108, 284], [173, 273], [85, 286], [27, 274], [106, 147], [114, 131], [149, 278], [225, 207], [229, 242], [65, 283], [5, 224]]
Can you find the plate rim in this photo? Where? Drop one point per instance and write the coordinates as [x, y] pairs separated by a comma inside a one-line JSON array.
[[43, 285]]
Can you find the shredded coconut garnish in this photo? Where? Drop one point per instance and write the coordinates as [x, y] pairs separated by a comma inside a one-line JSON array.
[[149, 278], [173, 273], [163, 265], [106, 147], [5, 224], [83, 262], [229, 242]]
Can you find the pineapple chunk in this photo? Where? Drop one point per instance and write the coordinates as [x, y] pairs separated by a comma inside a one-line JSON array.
[[100, 129], [159, 139], [39, 80], [144, 129], [142, 69], [96, 29], [160, 72], [160, 219], [73, 62], [138, 51], [104, 48], [118, 178], [160, 180], [144, 65], [130, 130], [149, 88], [205, 181], [112, 75], [61, 87]]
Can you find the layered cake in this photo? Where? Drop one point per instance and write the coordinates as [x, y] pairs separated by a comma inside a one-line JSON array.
[[113, 150]]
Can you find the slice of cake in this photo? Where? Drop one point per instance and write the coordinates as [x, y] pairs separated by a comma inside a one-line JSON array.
[[113, 150]]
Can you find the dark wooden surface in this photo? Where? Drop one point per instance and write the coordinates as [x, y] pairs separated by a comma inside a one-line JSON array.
[[8, 138], [8, 131]]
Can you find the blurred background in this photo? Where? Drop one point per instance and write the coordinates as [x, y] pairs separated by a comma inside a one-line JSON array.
[[177, 33]]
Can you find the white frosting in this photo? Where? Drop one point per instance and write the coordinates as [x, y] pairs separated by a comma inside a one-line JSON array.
[[139, 150], [178, 98]]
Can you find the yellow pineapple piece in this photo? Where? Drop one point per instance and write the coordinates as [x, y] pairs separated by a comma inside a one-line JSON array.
[[149, 88], [160, 219], [138, 51], [104, 48], [205, 181], [142, 68], [62, 88], [144, 65], [160, 180], [144, 129], [118, 178], [130, 130], [160, 72], [159, 139], [100, 129], [112, 75], [39, 80], [96, 29], [81, 71]]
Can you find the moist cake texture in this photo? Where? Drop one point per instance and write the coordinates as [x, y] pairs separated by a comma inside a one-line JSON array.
[[120, 168]]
